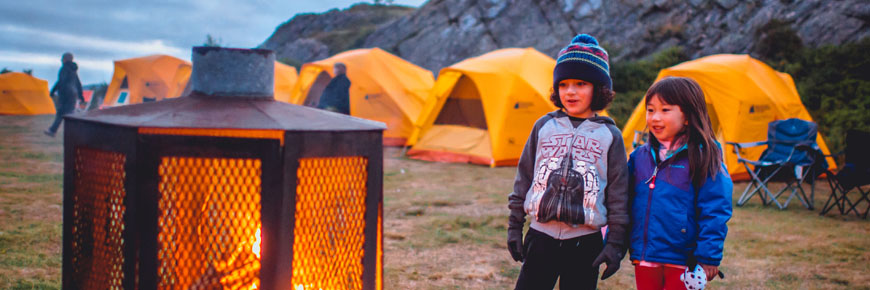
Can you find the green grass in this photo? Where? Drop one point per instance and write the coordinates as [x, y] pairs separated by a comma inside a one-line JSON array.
[[444, 227]]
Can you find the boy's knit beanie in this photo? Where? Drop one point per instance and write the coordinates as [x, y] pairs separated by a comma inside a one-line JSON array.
[[584, 60]]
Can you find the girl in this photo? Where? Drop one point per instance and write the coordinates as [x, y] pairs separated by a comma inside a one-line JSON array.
[[571, 179], [680, 190]]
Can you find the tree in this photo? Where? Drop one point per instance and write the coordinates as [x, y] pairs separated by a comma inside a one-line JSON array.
[[28, 71], [211, 41], [5, 70]]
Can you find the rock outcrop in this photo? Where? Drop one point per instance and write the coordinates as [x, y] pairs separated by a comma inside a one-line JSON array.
[[312, 36], [442, 32]]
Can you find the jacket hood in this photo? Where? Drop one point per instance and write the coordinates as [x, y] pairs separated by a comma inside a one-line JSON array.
[[71, 65], [597, 119]]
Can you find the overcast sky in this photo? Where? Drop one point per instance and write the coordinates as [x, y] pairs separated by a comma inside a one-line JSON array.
[[34, 33]]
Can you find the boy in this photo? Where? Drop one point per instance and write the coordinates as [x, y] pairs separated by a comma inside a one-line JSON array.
[[572, 179]]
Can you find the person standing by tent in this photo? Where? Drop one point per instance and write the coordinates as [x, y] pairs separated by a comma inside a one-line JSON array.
[[336, 95], [681, 191], [68, 88], [572, 179]]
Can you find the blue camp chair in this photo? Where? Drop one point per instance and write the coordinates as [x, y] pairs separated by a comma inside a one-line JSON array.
[[855, 174], [790, 157]]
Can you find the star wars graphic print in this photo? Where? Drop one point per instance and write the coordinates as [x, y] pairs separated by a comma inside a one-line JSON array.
[[585, 153]]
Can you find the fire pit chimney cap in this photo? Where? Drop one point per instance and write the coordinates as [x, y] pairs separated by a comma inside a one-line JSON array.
[[233, 72]]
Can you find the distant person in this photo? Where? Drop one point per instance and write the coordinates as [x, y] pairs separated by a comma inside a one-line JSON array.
[[68, 88], [572, 180], [681, 191], [336, 95]]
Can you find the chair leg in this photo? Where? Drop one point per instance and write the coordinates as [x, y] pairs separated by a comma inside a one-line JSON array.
[[773, 197], [834, 199], [753, 186], [864, 197], [747, 195], [812, 192], [758, 186]]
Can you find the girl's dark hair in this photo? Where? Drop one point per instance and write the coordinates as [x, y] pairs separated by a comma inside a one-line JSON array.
[[601, 98], [705, 156]]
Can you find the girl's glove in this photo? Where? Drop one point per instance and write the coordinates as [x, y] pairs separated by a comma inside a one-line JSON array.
[[515, 243]]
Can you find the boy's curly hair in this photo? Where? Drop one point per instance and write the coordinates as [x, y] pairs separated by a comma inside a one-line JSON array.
[[601, 98]]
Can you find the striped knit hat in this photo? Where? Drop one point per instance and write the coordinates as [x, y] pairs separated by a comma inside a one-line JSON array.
[[584, 60]]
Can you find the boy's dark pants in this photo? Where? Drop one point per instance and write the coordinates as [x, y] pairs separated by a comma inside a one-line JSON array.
[[547, 259]]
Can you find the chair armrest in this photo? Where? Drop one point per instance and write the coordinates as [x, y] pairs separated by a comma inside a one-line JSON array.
[[738, 146], [746, 144]]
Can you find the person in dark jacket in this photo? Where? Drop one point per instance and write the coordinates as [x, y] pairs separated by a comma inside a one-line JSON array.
[[680, 189], [68, 88], [336, 95], [572, 180]]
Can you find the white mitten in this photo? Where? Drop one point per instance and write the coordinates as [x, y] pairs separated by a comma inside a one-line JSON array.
[[694, 280]]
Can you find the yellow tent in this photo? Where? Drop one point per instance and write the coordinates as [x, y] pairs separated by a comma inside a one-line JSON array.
[[383, 88], [743, 95], [482, 109], [23, 94], [285, 78], [144, 79]]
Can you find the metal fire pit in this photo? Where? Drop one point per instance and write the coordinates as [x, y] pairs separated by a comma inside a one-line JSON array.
[[222, 189]]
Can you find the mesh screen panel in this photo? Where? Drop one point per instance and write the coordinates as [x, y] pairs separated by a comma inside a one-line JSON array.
[[98, 220], [329, 223], [209, 223]]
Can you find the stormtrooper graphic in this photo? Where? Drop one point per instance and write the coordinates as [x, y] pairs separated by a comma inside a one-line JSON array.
[[591, 187]]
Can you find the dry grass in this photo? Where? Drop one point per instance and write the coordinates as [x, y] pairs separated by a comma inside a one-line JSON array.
[[31, 176], [445, 227]]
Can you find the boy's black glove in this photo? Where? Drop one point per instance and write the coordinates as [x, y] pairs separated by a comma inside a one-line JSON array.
[[515, 243], [612, 254], [613, 251]]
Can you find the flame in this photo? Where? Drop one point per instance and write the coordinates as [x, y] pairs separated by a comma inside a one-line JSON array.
[[255, 248], [303, 287], [256, 245]]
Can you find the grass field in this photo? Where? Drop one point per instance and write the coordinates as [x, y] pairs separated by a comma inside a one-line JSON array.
[[444, 227]]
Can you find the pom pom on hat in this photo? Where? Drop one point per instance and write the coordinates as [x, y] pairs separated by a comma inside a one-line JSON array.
[[584, 39]]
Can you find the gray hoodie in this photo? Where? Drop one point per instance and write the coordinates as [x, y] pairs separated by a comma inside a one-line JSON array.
[[599, 156]]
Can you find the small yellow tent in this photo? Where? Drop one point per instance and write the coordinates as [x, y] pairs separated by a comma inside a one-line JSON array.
[[383, 88], [285, 78], [482, 109], [144, 79], [743, 95], [23, 94]]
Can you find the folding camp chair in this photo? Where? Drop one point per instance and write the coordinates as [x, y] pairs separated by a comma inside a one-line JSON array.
[[790, 157], [855, 174]]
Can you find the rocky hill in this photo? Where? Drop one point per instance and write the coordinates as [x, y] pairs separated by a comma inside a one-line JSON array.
[[312, 36], [442, 32]]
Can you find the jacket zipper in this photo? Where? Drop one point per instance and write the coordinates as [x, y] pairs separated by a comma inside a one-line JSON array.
[[564, 180], [652, 185]]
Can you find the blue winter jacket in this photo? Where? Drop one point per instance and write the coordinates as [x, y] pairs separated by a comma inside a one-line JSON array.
[[674, 219]]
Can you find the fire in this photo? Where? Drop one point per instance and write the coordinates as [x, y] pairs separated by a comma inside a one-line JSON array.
[[302, 287], [256, 245], [255, 248]]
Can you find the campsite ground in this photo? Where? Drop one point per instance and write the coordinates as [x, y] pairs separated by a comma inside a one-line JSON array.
[[444, 227]]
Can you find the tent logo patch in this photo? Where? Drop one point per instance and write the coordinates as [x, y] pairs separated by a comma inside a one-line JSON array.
[[758, 108], [522, 105]]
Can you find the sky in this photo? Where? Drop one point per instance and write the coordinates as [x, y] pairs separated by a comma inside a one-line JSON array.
[[35, 33]]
